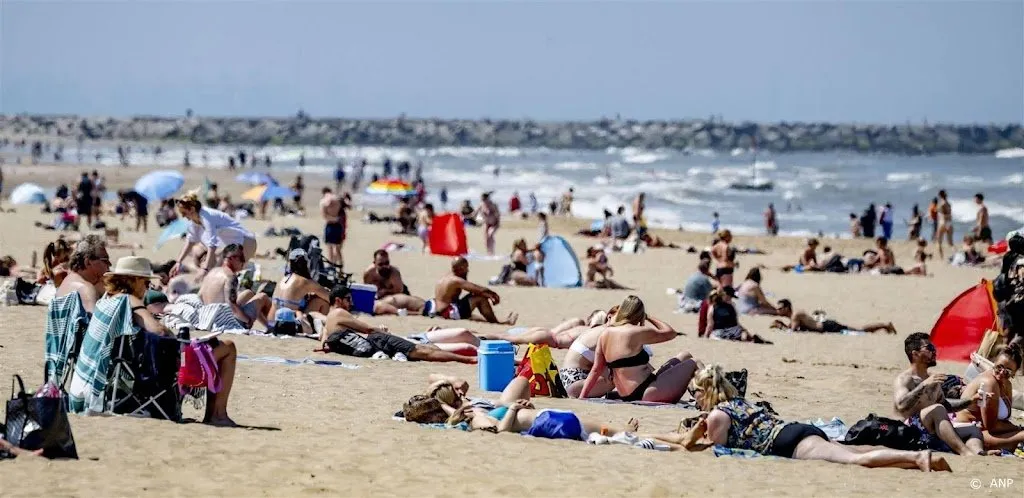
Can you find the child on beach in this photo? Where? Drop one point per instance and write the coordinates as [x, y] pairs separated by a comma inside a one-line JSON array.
[[920, 256], [423, 221]]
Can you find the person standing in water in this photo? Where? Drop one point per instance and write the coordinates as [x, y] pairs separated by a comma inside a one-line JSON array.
[[945, 222], [914, 225], [492, 218], [885, 221], [771, 222], [339, 176], [981, 230], [933, 216], [444, 198]]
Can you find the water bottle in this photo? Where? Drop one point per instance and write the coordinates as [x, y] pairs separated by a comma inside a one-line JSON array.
[[984, 395]]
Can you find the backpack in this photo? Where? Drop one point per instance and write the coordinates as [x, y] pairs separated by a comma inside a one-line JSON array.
[[881, 431], [538, 367]]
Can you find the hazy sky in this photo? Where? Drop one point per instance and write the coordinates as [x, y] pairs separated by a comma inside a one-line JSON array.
[[883, 61]]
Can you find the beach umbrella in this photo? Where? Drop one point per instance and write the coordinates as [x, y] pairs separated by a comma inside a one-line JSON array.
[[159, 185], [28, 193], [173, 230], [267, 193], [390, 187], [256, 178]]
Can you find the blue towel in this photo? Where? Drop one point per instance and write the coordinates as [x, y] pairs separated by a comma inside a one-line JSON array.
[[305, 361]]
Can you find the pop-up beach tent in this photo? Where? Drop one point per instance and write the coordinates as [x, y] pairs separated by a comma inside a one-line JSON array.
[[448, 235], [561, 266], [962, 325]]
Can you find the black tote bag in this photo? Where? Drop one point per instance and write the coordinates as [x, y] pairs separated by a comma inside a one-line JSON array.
[[39, 423]]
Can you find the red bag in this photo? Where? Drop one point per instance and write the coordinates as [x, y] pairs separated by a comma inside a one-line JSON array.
[[199, 369]]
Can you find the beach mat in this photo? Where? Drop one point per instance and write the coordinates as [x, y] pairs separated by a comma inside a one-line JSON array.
[[305, 361], [682, 405]]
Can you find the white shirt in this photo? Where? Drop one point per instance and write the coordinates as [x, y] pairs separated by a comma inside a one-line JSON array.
[[216, 229]]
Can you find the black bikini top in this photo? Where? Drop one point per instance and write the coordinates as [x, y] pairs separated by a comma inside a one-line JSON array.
[[639, 359]]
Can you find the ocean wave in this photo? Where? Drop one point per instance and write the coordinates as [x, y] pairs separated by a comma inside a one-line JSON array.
[[1014, 179], [1014, 153], [966, 211], [575, 166], [901, 176]]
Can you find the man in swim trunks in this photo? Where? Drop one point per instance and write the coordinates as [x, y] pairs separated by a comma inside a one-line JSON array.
[[345, 334], [332, 208], [981, 230], [920, 399], [221, 286], [945, 222], [448, 304], [800, 321], [392, 294]]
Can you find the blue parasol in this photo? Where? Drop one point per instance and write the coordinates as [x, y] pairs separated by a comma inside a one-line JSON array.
[[256, 178], [159, 185], [173, 230]]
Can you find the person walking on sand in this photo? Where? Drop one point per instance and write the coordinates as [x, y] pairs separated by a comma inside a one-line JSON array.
[[492, 219], [982, 231], [945, 222], [332, 209], [933, 217]]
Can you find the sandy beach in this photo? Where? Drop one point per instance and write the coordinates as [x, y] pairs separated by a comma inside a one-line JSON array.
[[329, 431]]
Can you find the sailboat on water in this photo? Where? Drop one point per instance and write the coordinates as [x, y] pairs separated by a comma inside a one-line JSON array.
[[754, 183]]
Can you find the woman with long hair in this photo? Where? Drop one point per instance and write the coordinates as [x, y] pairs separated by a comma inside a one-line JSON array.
[[211, 229], [55, 262]]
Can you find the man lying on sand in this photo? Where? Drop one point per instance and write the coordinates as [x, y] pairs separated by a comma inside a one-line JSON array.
[[800, 321], [221, 286], [392, 294], [921, 400], [345, 334], [89, 262], [448, 304]]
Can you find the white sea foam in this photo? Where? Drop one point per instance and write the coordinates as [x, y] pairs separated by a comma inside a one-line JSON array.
[[965, 210], [1014, 153], [901, 176], [575, 166]]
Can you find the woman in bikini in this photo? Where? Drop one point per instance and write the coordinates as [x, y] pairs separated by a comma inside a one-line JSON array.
[[733, 422], [579, 360], [520, 261], [993, 410], [423, 221], [723, 320], [492, 219], [297, 295], [725, 257], [620, 348]]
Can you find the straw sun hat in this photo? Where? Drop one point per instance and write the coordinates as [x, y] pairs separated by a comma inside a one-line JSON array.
[[132, 266]]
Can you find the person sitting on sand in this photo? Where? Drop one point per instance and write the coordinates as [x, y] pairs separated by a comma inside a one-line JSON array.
[[55, 262], [221, 286], [392, 293], [131, 276], [597, 264], [809, 257], [86, 267], [346, 334], [299, 293], [800, 321], [725, 257], [723, 320], [968, 254], [994, 388], [733, 422], [447, 303], [697, 287], [620, 348], [751, 299], [919, 398], [521, 258], [920, 257], [656, 241], [579, 360]]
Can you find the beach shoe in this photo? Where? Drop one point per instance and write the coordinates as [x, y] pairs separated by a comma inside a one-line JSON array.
[[650, 444], [597, 438], [400, 357], [379, 355]]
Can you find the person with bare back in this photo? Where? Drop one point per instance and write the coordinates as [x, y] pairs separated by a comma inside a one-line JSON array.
[[392, 293], [945, 222], [447, 302], [332, 208]]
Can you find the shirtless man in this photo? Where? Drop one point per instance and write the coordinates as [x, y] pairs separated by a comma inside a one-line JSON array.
[[492, 218], [331, 208], [800, 321], [448, 304], [982, 232], [86, 266], [392, 294], [809, 258], [945, 222], [221, 286], [886, 258], [919, 398], [346, 334]]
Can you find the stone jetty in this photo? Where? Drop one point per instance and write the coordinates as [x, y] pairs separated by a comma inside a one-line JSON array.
[[912, 139]]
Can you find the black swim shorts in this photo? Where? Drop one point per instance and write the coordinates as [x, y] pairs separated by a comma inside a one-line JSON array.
[[334, 233], [790, 436], [391, 344]]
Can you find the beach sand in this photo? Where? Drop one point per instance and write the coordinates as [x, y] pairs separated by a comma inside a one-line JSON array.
[[321, 430]]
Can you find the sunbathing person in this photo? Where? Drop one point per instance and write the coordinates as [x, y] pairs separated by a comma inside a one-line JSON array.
[[920, 258], [733, 422], [919, 398], [448, 304], [752, 300], [620, 348], [723, 320], [697, 287], [521, 258], [808, 258], [559, 337], [597, 264], [579, 360], [299, 294], [392, 293], [86, 267], [800, 321], [55, 262], [221, 286], [346, 334], [131, 276], [994, 395]]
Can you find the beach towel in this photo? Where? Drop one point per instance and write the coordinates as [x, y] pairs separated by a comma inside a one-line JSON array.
[[111, 320], [461, 426], [64, 318], [721, 451], [189, 311], [682, 404], [305, 361]]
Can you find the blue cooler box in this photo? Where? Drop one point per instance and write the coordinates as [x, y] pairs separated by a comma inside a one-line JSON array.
[[497, 364], [363, 296]]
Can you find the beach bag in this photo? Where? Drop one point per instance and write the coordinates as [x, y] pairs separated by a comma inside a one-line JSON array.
[[199, 369], [540, 369], [881, 431], [39, 422]]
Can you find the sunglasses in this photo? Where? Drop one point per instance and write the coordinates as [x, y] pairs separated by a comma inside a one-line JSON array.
[[1001, 370], [105, 260], [694, 390]]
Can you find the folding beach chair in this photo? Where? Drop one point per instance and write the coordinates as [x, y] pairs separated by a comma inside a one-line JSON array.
[[66, 322]]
